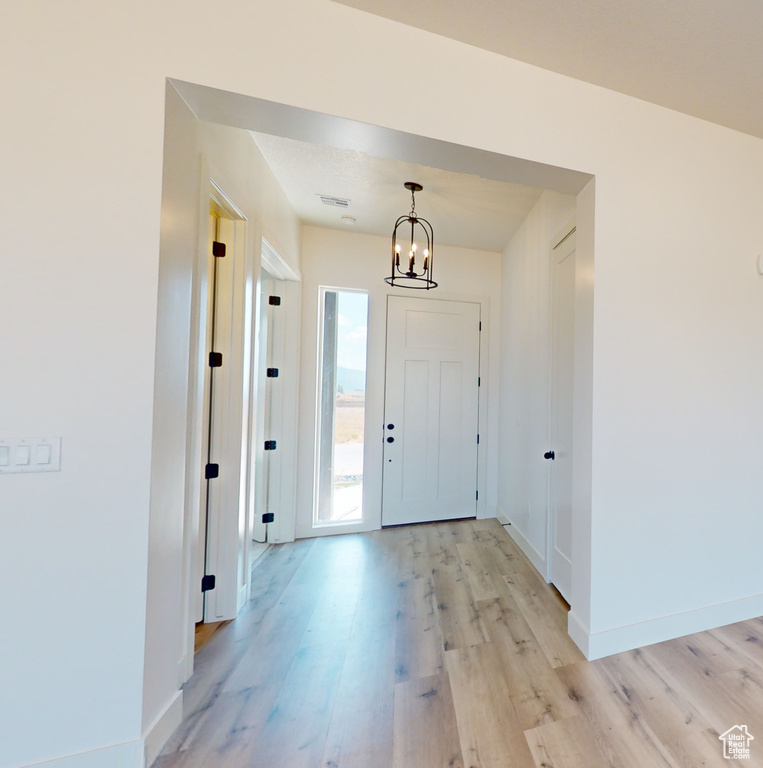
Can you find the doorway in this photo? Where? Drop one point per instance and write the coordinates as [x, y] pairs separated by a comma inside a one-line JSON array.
[[431, 410], [216, 461], [266, 451], [266, 392], [274, 382]]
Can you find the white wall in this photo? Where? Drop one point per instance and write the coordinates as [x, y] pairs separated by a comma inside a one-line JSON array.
[[525, 340], [349, 260], [676, 370], [232, 159]]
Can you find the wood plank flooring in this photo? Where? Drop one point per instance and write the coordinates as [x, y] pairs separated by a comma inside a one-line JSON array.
[[440, 646], [204, 633]]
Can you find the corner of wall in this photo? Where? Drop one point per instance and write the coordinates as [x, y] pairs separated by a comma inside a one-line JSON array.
[[627, 637], [579, 633], [531, 553], [160, 731]]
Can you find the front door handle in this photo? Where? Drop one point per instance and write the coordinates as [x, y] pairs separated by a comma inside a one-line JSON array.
[[549, 455]]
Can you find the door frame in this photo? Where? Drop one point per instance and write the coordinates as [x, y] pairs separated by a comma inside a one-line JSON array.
[[563, 234]]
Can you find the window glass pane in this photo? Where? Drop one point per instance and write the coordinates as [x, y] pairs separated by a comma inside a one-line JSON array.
[[342, 407]]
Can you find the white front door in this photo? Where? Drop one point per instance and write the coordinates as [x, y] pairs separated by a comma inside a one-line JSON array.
[[431, 410], [562, 359]]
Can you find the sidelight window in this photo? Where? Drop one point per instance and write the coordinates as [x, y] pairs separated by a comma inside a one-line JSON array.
[[341, 405]]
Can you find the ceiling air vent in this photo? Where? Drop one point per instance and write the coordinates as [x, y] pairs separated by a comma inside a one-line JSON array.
[[337, 202]]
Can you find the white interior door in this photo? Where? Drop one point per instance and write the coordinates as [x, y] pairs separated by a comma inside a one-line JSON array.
[[222, 486], [562, 359], [225, 449], [431, 410], [269, 405], [203, 518], [262, 419]]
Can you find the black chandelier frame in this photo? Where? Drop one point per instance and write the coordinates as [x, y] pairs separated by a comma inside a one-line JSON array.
[[410, 277]]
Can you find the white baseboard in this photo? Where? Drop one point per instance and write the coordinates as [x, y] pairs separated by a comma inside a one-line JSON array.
[[578, 632], [243, 597], [185, 669], [132, 754], [158, 734], [596, 645], [127, 755], [532, 554]]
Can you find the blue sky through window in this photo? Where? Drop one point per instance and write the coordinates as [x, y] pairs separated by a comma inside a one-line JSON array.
[[353, 330]]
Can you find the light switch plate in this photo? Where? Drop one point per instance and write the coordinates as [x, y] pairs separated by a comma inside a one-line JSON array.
[[30, 454]]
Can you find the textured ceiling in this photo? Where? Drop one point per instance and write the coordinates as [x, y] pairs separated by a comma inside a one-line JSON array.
[[465, 210], [700, 57]]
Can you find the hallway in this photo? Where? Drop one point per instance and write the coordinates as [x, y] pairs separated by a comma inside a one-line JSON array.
[[439, 645]]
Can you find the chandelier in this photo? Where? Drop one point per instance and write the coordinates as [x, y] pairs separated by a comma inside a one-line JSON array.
[[409, 276]]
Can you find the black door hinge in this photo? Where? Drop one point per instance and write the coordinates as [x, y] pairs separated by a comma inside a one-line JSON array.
[[478, 438], [274, 301], [479, 381], [218, 249], [480, 324], [268, 517], [211, 471], [272, 373], [215, 359], [477, 495], [207, 583], [270, 445]]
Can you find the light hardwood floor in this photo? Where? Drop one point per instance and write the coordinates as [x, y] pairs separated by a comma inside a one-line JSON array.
[[439, 645], [204, 633]]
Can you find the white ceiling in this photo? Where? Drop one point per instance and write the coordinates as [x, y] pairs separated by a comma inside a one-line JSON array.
[[464, 210], [701, 57]]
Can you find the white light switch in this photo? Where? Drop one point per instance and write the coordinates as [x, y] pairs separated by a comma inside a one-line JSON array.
[[30, 454], [42, 454]]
